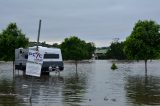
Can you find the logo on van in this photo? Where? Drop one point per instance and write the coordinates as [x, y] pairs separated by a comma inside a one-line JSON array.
[[37, 55]]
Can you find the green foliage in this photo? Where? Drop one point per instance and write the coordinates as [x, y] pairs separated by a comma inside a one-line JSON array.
[[113, 67], [101, 56], [31, 44], [10, 39], [116, 51], [90, 49], [75, 49], [144, 41], [56, 45]]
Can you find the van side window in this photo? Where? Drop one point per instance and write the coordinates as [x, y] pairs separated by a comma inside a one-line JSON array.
[[51, 56]]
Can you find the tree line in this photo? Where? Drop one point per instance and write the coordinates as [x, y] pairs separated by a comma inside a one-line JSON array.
[[142, 44], [115, 51], [72, 48]]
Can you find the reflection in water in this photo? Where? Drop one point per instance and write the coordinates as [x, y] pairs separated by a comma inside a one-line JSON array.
[[143, 90], [96, 84], [43, 90], [7, 93], [67, 88], [53, 89], [74, 89]]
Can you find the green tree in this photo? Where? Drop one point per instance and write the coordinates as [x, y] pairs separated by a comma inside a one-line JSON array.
[[10, 39], [75, 49], [90, 48], [56, 45], [44, 43], [144, 42], [116, 51]]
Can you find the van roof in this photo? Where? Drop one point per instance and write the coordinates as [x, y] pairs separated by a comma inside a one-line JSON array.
[[46, 49]]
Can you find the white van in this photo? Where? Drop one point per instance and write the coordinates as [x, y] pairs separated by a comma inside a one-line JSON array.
[[52, 59]]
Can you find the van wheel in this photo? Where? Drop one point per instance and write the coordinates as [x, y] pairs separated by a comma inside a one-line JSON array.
[[45, 73]]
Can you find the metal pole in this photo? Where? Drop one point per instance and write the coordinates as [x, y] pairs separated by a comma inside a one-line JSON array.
[[39, 29]]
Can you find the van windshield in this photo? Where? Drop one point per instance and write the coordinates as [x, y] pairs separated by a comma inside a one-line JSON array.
[[51, 56]]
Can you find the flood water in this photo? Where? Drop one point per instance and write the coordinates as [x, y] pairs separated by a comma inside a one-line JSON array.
[[94, 85]]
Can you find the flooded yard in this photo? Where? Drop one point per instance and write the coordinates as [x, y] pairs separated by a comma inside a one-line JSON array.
[[95, 84]]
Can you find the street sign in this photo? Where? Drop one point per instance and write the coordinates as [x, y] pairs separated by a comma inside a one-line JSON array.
[[34, 63]]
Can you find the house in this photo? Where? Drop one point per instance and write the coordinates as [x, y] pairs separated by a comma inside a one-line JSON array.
[[100, 53]]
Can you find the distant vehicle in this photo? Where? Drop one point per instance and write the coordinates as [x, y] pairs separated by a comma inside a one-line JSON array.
[[52, 59]]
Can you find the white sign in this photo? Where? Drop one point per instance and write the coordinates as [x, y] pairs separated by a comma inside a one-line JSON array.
[[34, 63]]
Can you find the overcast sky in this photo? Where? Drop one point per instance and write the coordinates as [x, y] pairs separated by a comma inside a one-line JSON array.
[[97, 21]]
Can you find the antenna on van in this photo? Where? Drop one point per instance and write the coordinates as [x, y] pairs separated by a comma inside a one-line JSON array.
[[39, 29]]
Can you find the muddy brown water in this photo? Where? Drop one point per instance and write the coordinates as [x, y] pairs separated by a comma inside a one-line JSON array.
[[94, 85]]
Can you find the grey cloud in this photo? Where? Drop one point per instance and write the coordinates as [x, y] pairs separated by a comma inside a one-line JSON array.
[[96, 20]]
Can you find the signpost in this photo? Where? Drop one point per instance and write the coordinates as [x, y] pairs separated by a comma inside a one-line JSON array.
[[34, 63], [35, 59]]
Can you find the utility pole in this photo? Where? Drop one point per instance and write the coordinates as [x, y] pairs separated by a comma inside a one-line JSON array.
[[39, 29]]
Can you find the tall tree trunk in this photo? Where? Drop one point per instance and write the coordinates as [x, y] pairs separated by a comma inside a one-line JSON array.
[[146, 79], [146, 67]]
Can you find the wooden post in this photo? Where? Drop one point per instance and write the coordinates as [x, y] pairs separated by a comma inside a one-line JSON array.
[[13, 70], [146, 67]]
